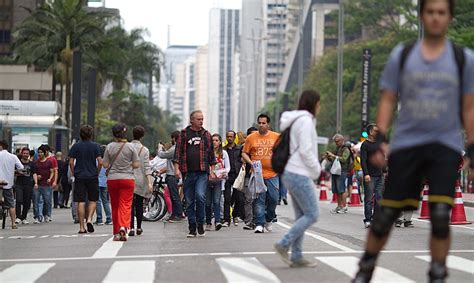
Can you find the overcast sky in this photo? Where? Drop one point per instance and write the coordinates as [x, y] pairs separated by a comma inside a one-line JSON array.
[[189, 19]]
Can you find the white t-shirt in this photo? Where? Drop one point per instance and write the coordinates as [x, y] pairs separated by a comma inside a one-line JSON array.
[[8, 163]]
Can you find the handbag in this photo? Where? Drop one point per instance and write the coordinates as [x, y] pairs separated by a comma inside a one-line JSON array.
[[239, 183], [113, 160], [336, 167]]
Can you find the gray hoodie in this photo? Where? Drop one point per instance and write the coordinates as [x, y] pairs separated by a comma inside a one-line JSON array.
[[303, 143]]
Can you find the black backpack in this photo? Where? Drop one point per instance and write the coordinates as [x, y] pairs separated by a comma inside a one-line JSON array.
[[460, 62], [281, 150]]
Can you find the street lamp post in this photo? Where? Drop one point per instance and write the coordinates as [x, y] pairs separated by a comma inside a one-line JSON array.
[[340, 57]]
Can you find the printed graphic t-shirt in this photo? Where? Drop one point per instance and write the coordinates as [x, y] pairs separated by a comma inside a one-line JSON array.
[[259, 147], [194, 140]]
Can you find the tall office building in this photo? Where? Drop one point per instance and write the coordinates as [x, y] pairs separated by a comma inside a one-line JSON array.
[[12, 13], [202, 81], [251, 98], [224, 27], [174, 54]]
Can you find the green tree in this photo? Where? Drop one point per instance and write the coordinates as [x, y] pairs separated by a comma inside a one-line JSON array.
[[53, 31]]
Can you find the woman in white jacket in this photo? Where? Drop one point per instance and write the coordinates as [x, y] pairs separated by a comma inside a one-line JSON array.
[[302, 168]]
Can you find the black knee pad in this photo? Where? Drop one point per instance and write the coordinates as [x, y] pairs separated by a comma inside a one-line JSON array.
[[439, 214], [383, 221]]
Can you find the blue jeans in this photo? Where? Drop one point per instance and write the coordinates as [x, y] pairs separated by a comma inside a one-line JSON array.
[[213, 201], [46, 193], [103, 201], [282, 189], [195, 185], [306, 209], [176, 202], [374, 187], [266, 202]]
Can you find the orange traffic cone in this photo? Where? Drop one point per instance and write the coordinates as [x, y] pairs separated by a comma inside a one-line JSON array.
[[334, 198], [425, 210], [458, 215], [323, 193], [355, 200]]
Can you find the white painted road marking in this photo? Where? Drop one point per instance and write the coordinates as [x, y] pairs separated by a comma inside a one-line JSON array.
[[455, 262], [184, 255], [348, 266], [322, 239], [246, 269], [142, 271], [108, 249], [55, 236], [25, 272]]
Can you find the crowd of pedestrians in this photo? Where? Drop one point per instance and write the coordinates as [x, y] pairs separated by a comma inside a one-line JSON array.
[[422, 76]]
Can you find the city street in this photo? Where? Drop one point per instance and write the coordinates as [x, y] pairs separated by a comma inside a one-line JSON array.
[[53, 252]]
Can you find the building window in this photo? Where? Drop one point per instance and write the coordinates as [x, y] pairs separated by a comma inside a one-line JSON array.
[[6, 94], [35, 95]]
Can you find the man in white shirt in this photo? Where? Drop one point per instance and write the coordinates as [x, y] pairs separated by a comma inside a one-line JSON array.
[[8, 163]]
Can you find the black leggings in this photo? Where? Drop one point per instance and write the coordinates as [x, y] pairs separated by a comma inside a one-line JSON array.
[[137, 210], [66, 192]]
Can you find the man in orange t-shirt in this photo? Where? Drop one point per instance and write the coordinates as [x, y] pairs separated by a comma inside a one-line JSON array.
[[258, 146]]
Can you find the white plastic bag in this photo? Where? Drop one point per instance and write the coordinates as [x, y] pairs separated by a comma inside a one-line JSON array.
[[240, 180], [336, 167]]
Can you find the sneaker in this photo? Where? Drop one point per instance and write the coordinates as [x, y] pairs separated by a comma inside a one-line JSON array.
[[175, 219], [336, 210], [218, 226], [303, 263], [438, 272], [116, 238], [226, 224], [201, 232], [131, 233], [344, 210], [139, 231], [259, 229], [47, 219], [367, 224], [99, 223], [76, 221], [192, 231], [285, 201], [248, 226], [408, 224], [398, 223], [236, 222], [17, 221], [282, 252], [209, 226], [25, 222], [109, 223], [36, 221], [269, 226]]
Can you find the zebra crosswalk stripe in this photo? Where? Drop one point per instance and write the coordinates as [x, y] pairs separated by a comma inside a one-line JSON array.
[[25, 272], [349, 264], [142, 271], [454, 262], [245, 269]]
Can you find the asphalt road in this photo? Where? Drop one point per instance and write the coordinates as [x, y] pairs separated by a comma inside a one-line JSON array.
[[54, 252]]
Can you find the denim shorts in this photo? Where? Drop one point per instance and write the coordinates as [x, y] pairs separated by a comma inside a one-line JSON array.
[[8, 199], [338, 183]]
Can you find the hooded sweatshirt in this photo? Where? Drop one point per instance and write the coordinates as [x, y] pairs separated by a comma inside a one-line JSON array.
[[303, 143]]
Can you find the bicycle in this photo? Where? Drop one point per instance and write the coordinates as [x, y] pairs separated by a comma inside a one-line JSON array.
[[155, 208]]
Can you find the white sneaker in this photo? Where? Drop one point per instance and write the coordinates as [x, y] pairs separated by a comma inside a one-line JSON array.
[[36, 221], [259, 229], [344, 210], [17, 221], [24, 221], [269, 226], [47, 219]]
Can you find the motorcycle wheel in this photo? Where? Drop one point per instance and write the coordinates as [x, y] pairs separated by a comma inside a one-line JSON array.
[[155, 209]]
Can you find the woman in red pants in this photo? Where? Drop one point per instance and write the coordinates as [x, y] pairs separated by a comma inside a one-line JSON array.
[[120, 158]]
